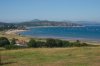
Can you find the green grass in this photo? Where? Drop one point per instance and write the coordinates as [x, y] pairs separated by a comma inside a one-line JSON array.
[[75, 56]]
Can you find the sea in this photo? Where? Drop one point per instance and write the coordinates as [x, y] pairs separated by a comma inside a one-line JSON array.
[[71, 33]]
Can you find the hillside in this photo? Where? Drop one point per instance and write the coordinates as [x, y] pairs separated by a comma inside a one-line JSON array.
[[5, 26], [37, 22], [88, 23], [2, 24]]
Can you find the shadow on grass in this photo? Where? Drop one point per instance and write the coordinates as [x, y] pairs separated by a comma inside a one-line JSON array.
[[5, 63]]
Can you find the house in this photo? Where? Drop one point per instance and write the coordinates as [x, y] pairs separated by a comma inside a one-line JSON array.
[[21, 43]]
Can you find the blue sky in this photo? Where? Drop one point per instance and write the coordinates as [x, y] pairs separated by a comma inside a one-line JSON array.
[[72, 10]]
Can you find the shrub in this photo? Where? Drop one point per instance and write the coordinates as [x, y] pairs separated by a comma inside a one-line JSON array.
[[40, 44], [13, 41], [32, 43], [51, 43], [55, 43], [12, 47], [66, 44], [77, 43], [84, 44], [4, 41]]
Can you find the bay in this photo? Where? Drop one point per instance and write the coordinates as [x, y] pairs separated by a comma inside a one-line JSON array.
[[87, 32]]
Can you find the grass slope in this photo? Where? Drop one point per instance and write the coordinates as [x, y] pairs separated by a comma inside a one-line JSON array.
[[10, 36], [75, 56]]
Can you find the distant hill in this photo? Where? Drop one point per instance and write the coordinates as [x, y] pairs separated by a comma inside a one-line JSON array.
[[37, 22], [2, 23], [88, 23], [5, 26]]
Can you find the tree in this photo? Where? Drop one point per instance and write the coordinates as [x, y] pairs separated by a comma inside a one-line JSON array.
[[51, 43], [59, 43], [78, 43], [66, 44], [84, 44], [12, 47], [40, 44], [13, 41], [32, 43], [4, 41]]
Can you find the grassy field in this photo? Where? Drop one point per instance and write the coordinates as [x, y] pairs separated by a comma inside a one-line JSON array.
[[74, 56], [19, 37], [10, 36]]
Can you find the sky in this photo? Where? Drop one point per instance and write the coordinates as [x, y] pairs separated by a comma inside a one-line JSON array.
[[58, 10]]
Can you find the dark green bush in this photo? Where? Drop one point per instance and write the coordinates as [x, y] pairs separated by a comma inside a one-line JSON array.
[[55, 43], [40, 44], [12, 47], [4, 41], [51, 42], [13, 41], [59, 43], [66, 44], [32, 43]]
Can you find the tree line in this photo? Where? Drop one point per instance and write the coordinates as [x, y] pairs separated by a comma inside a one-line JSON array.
[[7, 44], [7, 27], [49, 43], [55, 43]]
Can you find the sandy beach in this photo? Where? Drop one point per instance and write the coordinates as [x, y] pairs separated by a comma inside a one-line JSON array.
[[14, 31]]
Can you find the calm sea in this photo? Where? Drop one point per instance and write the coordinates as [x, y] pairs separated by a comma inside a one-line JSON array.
[[88, 32]]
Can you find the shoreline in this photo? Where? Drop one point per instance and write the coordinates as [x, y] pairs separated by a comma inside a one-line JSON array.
[[14, 31], [52, 26], [17, 32], [72, 39]]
